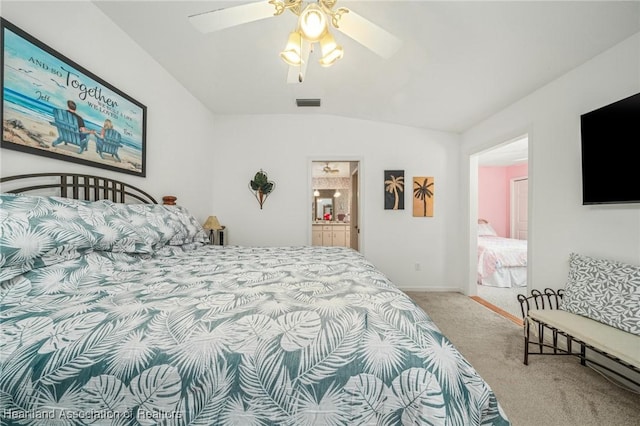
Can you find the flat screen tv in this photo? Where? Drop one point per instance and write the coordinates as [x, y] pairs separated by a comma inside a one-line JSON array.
[[611, 153]]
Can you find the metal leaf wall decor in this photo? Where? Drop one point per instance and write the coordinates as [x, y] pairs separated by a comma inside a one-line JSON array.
[[261, 187]]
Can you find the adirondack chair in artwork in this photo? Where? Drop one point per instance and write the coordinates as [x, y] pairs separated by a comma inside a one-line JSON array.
[[68, 130], [109, 144]]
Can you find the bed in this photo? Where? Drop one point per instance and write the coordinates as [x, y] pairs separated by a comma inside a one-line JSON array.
[[120, 314], [502, 262]]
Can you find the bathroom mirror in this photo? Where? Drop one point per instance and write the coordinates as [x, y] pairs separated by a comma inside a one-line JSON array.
[[327, 208], [324, 206]]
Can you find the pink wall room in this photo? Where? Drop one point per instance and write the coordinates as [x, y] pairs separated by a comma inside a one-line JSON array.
[[494, 195]]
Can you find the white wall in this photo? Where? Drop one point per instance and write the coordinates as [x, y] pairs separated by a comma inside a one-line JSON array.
[[179, 128], [559, 223], [284, 145]]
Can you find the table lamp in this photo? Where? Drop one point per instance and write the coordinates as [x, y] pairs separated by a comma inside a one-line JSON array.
[[211, 225]]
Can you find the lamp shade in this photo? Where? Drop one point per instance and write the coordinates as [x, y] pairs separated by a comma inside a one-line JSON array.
[[331, 52], [291, 52], [212, 223]]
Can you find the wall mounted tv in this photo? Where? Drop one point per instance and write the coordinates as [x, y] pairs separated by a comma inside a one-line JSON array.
[[611, 153]]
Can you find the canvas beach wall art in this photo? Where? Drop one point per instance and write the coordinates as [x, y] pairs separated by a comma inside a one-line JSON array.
[[423, 192], [394, 189], [53, 107]]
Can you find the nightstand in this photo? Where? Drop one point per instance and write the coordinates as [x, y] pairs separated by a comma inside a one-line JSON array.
[[219, 237], [217, 232]]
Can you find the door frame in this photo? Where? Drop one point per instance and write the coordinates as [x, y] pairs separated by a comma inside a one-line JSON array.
[[360, 192], [354, 222], [471, 160]]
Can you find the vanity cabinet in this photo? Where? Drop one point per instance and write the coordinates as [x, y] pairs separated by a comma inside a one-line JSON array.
[[316, 235], [337, 235]]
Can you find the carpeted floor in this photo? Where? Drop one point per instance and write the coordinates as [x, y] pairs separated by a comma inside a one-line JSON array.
[[505, 298], [551, 390]]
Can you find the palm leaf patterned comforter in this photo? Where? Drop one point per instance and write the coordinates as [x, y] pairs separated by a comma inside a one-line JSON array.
[[161, 329]]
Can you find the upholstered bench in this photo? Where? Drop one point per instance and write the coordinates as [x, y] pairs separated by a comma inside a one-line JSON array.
[[599, 310]]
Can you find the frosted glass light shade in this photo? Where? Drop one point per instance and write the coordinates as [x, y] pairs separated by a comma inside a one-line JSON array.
[[291, 52], [331, 52], [313, 23]]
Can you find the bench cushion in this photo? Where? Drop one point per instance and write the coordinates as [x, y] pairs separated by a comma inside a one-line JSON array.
[[604, 290], [618, 343]]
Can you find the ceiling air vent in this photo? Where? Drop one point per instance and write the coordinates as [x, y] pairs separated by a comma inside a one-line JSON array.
[[308, 102]]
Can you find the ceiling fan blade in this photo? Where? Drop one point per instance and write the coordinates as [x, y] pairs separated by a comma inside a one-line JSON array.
[[370, 35], [297, 74], [220, 19]]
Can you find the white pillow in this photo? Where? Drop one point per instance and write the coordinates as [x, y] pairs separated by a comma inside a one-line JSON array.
[[486, 230]]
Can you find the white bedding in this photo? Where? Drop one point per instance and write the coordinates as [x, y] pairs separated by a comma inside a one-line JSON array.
[[502, 262]]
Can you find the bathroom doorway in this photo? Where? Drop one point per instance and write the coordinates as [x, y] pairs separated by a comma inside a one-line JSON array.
[[335, 203]]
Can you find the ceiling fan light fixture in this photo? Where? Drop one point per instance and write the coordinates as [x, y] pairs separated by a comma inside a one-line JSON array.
[[291, 53], [331, 52], [316, 19]]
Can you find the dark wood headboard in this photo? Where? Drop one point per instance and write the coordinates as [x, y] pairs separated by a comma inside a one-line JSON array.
[[77, 186]]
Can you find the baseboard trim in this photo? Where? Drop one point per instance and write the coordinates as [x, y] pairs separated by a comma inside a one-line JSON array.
[[431, 289], [497, 310]]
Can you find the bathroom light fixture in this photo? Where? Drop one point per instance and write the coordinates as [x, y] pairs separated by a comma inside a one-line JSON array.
[[316, 193], [337, 193]]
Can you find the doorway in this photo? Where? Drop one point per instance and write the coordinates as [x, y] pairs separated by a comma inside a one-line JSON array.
[[502, 213], [335, 203]]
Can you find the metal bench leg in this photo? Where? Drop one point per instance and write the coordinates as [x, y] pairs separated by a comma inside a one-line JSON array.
[[526, 344], [540, 336]]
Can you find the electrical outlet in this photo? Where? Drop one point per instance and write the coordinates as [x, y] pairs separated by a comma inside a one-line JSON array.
[[416, 266]]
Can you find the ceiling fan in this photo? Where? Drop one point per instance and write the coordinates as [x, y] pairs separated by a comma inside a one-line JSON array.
[[314, 22], [329, 169]]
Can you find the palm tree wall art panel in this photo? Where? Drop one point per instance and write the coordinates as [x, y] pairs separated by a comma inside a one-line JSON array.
[[423, 190], [394, 189]]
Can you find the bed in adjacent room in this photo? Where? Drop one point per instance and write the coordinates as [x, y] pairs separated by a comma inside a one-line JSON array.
[[502, 262], [120, 314]]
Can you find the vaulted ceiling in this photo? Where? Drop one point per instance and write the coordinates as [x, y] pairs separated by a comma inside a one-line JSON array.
[[459, 63]]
